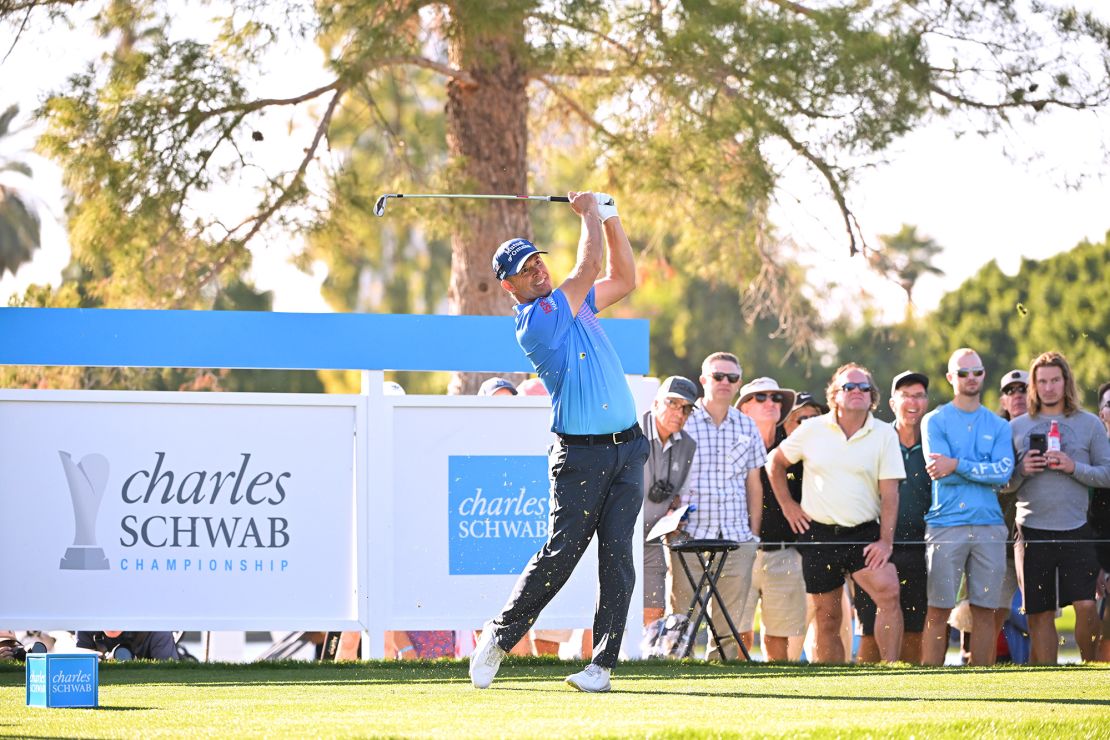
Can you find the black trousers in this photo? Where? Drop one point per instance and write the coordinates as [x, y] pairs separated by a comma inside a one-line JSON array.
[[594, 489]]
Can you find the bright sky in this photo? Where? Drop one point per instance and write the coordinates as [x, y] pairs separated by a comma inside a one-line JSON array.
[[967, 194]]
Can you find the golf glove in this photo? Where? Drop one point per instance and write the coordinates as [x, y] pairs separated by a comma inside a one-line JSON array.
[[604, 211]]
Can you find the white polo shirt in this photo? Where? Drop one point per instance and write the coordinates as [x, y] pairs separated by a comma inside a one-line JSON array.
[[841, 482]]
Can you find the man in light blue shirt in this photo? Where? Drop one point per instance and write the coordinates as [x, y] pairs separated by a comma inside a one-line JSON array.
[[969, 456], [598, 457]]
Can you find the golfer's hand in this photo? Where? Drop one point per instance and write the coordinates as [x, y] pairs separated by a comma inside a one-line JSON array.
[[1032, 463], [877, 554], [940, 466], [796, 517], [584, 203], [605, 212]]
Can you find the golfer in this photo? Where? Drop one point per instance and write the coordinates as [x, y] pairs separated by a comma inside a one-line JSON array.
[[598, 455]]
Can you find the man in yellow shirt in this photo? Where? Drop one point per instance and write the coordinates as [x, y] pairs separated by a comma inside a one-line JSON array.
[[845, 523]]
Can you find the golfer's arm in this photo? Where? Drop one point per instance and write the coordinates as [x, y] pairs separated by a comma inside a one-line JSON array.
[[888, 509], [620, 277], [577, 285]]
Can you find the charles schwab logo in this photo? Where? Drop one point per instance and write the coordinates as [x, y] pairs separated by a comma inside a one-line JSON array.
[[227, 519], [498, 512]]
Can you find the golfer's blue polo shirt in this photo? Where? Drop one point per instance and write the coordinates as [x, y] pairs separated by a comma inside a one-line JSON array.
[[577, 364]]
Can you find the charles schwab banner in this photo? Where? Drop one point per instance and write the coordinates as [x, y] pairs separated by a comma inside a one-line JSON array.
[[190, 510]]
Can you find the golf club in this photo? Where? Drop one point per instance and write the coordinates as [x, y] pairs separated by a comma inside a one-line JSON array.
[[379, 207]]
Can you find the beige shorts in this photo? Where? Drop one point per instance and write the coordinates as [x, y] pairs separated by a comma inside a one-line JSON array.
[[778, 584]]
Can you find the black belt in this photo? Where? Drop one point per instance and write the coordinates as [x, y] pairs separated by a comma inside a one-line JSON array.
[[616, 438]]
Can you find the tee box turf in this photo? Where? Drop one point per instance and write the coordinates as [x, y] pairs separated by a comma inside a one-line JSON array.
[[59, 680]]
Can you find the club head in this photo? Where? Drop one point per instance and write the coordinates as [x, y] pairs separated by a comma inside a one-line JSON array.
[[379, 207]]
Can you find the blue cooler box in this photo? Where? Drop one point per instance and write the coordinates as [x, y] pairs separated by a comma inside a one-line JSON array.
[[61, 680]]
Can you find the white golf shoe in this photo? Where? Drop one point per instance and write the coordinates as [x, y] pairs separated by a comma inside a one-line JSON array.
[[593, 679], [486, 659]]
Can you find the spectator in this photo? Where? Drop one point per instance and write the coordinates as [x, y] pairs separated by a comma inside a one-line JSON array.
[[1055, 557], [1098, 516], [909, 399], [1014, 398], [968, 457], [127, 645], [724, 485], [666, 476], [532, 387], [1014, 389], [807, 407], [777, 581], [10, 646], [849, 498], [497, 387]]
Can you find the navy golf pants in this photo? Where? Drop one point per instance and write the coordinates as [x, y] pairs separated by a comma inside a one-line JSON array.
[[594, 489]]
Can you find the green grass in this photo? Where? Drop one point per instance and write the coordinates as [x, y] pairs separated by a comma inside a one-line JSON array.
[[528, 699]]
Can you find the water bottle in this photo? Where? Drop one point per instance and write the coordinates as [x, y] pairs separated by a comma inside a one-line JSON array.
[[1054, 439]]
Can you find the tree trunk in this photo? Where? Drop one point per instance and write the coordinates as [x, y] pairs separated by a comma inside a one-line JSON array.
[[487, 139]]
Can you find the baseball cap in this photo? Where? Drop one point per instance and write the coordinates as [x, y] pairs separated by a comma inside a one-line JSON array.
[[1014, 376], [906, 377], [677, 386], [492, 385], [510, 256], [768, 385], [805, 398]]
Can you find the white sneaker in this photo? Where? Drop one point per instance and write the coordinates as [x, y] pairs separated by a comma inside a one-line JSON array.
[[486, 659], [593, 678]]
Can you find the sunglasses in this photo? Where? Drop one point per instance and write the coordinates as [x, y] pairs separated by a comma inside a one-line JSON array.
[[963, 372], [861, 387], [762, 397], [732, 377], [1015, 388], [685, 408]]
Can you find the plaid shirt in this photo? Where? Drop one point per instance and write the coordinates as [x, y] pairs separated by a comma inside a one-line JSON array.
[[718, 477]]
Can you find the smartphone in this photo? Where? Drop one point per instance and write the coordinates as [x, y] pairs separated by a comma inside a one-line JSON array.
[[1038, 442]]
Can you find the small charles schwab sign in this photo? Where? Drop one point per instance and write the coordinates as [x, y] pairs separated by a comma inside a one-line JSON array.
[[60, 680]]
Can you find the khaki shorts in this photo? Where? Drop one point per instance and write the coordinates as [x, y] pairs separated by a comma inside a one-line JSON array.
[[977, 551], [778, 584]]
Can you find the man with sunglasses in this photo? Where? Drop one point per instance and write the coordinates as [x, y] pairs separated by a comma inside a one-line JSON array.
[[777, 573], [969, 457], [1014, 398], [725, 487], [845, 523], [665, 478], [909, 400], [597, 457]]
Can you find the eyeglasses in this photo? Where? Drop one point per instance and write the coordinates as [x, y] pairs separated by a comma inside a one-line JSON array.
[[762, 397], [913, 396], [861, 387], [684, 408], [732, 377], [1014, 388], [963, 372]]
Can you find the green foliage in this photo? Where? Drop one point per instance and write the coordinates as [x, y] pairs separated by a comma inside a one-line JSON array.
[[1061, 303], [19, 219]]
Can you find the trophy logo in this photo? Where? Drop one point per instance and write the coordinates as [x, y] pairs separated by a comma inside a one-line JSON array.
[[87, 480]]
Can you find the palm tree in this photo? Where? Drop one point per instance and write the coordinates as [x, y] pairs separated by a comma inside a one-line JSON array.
[[19, 220], [905, 258]]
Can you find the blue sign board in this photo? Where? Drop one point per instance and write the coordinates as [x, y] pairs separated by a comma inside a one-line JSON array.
[[498, 515], [60, 680]]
